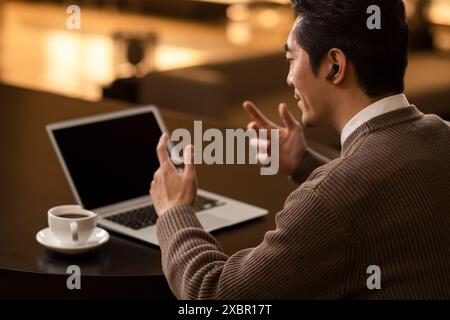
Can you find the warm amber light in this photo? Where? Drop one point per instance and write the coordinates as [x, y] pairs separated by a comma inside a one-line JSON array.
[[74, 60], [238, 33], [439, 12], [238, 12], [170, 57], [269, 18]]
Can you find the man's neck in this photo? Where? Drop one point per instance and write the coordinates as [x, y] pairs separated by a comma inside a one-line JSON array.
[[350, 105]]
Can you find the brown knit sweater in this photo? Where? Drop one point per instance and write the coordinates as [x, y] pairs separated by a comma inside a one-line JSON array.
[[385, 201]]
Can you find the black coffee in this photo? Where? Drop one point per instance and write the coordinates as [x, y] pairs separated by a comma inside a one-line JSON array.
[[73, 215]]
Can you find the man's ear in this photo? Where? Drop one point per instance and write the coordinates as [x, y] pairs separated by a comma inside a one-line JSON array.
[[336, 65]]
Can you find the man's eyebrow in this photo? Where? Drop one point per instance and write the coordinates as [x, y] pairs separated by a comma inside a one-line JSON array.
[[286, 48]]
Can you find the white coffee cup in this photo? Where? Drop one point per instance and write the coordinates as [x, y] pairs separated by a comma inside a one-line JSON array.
[[71, 224]]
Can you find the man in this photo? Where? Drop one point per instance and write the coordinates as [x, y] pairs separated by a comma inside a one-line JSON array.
[[383, 206]]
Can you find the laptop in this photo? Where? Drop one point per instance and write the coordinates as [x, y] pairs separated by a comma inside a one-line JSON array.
[[109, 161]]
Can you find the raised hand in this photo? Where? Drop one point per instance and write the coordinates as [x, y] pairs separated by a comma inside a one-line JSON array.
[[292, 144], [170, 188]]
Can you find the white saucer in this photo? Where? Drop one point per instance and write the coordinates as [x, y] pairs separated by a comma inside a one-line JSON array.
[[46, 238]]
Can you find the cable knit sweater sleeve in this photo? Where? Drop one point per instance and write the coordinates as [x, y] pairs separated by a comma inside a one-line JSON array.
[[303, 257]]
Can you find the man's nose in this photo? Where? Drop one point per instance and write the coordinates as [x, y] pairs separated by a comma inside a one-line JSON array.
[[289, 80]]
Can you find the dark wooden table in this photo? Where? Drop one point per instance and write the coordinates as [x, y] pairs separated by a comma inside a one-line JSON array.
[[31, 181]]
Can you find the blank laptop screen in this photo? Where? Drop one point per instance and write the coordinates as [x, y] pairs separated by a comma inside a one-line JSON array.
[[112, 160]]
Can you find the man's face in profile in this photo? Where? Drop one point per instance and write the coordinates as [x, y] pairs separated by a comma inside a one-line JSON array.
[[309, 89]]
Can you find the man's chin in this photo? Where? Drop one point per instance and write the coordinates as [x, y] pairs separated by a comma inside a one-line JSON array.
[[308, 122], [306, 118]]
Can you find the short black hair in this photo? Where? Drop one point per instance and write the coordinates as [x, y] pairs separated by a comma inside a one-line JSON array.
[[380, 56]]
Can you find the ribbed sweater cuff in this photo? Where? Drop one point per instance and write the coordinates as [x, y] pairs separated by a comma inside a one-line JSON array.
[[174, 219], [311, 160]]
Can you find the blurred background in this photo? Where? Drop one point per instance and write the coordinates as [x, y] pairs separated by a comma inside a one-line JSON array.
[[202, 57]]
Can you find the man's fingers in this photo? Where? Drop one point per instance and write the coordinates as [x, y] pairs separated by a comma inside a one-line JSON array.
[[259, 143], [263, 158], [152, 187], [287, 117], [161, 151], [156, 174], [257, 115], [262, 148], [153, 184], [253, 125], [189, 166]]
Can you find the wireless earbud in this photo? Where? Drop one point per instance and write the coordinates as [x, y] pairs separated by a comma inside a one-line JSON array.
[[333, 72]]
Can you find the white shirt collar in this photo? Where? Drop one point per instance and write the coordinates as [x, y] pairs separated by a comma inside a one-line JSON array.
[[380, 107]]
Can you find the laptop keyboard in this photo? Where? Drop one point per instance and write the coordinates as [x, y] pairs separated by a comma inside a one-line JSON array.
[[146, 216]]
